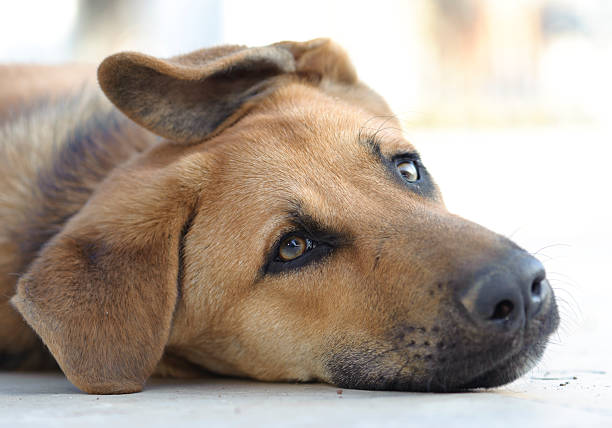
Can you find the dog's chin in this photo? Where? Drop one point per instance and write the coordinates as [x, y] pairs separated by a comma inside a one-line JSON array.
[[507, 371], [497, 373], [463, 368], [462, 375]]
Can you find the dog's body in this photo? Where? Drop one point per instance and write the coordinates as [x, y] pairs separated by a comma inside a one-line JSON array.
[[283, 230]]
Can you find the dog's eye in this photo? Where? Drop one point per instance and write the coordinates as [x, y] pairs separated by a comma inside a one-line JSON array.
[[293, 247], [294, 251], [408, 170]]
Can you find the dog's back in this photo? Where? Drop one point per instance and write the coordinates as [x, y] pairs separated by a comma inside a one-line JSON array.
[[54, 148]]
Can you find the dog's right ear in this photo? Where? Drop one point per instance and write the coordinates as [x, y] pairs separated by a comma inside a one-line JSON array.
[[190, 98], [186, 99]]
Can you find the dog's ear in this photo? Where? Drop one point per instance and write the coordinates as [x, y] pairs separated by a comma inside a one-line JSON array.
[[192, 97], [102, 292], [324, 58]]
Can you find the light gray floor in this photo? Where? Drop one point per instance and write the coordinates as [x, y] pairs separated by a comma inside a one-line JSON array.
[[51, 401], [548, 189]]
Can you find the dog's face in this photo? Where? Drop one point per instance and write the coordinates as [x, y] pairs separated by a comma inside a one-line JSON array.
[[305, 242]]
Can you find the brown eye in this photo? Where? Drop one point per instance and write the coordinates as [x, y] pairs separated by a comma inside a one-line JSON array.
[[408, 170], [294, 251], [292, 248]]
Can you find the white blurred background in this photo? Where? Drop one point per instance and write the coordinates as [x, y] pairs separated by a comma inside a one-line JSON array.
[[508, 102]]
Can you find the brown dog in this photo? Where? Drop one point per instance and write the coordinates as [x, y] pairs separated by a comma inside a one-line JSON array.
[[282, 229]]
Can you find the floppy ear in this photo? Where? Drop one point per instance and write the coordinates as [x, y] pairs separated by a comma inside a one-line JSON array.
[[101, 293], [189, 98]]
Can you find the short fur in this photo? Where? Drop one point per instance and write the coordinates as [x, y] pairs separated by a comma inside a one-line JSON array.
[[129, 254]]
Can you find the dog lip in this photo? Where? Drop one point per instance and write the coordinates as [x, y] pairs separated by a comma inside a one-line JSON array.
[[470, 365], [507, 369], [494, 366], [521, 354]]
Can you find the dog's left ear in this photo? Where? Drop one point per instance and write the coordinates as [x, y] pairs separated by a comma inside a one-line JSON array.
[[101, 294], [189, 98]]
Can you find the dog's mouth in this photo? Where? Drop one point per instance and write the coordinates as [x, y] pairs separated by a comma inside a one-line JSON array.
[[482, 370], [465, 365], [492, 369], [508, 370]]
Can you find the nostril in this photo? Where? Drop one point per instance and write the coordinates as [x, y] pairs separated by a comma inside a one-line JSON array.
[[536, 288], [502, 310]]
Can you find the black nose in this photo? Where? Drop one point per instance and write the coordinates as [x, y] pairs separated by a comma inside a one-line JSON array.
[[506, 293]]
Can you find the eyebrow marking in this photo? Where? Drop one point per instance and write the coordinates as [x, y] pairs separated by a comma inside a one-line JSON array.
[[423, 187], [372, 144], [314, 229]]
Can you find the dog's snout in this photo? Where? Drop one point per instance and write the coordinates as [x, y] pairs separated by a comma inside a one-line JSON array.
[[506, 294]]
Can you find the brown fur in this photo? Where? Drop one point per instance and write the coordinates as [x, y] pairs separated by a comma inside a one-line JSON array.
[[128, 248]]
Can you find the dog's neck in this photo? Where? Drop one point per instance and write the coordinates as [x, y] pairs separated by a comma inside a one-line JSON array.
[[72, 146]]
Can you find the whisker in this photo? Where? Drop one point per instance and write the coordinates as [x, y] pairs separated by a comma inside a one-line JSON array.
[[551, 246], [569, 279]]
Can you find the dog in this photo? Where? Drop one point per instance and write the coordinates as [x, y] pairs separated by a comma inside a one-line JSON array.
[[252, 212]]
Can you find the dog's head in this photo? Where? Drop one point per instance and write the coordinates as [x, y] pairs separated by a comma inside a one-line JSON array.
[[285, 230]]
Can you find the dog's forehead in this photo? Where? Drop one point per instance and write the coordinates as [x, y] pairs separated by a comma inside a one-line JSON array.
[[300, 122], [314, 144], [314, 153]]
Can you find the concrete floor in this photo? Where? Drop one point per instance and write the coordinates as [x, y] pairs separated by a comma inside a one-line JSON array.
[[561, 399], [548, 189]]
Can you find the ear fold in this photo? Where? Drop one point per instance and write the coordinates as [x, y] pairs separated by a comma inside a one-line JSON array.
[[101, 294], [188, 98], [323, 57]]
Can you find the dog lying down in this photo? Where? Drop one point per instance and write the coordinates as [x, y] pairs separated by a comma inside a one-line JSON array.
[[251, 212]]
